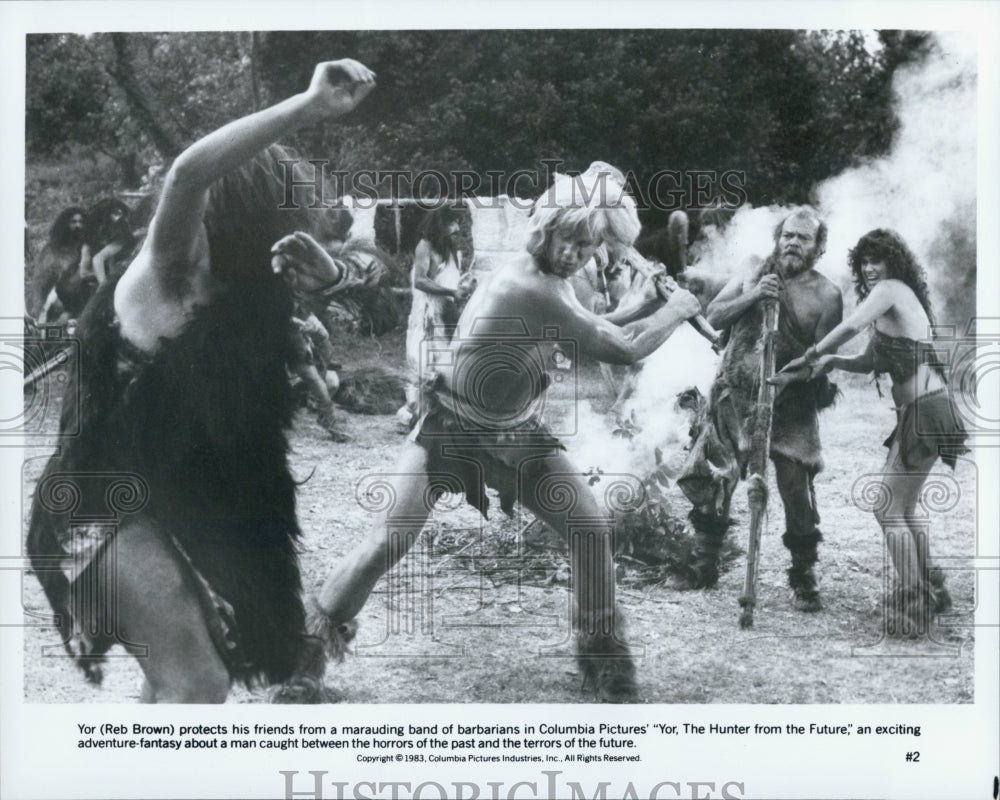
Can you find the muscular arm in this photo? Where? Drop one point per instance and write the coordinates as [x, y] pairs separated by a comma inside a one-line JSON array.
[[636, 304], [176, 230], [317, 272], [733, 301], [421, 272], [614, 344]]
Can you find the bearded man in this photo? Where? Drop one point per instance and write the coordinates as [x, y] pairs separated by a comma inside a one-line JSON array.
[[810, 306]]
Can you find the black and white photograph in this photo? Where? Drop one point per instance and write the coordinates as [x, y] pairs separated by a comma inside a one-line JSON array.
[[473, 405]]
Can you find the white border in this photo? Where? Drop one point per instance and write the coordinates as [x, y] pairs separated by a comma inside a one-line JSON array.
[[37, 741]]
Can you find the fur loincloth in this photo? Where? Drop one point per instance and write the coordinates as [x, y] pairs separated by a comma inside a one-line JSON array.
[[202, 421], [471, 458], [929, 426]]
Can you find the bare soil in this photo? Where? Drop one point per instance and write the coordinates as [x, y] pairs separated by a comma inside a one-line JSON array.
[[463, 624]]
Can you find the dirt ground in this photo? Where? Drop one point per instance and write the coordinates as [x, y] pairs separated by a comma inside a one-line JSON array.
[[475, 628]]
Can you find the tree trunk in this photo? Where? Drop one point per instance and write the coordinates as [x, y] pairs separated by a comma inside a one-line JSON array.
[[258, 102], [167, 136]]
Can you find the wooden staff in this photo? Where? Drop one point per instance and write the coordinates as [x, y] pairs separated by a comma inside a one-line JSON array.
[[760, 447], [665, 288]]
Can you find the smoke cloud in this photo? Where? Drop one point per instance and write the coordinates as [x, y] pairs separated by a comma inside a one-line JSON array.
[[925, 189]]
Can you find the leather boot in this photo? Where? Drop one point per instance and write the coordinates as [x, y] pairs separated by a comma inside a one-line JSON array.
[[801, 576], [709, 534]]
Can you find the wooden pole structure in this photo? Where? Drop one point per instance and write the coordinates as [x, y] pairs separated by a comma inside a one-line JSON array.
[[760, 446]]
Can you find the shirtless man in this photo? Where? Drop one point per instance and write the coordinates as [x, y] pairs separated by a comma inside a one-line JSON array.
[[810, 307], [480, 420]]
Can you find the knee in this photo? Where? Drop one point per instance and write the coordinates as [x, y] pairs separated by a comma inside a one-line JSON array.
[[891, 508], [210, 685], [881, 514], [204, 682]]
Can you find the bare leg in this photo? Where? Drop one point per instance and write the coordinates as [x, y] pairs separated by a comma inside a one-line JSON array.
[[554, 490], [157, 607], [907, 542], [346, 590], [906, 539], [330, 614]]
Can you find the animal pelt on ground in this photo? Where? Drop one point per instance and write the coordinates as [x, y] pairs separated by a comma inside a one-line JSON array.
[[372, 390], [202, 421]]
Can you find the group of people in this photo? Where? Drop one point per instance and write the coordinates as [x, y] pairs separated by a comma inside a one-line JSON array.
[[894, 305], [182, 381], [85, 248]]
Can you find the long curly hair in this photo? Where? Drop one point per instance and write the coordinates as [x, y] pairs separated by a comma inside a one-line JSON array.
[[594, 203], [252, 207], [60, 234], [434, 228], [887, 246]]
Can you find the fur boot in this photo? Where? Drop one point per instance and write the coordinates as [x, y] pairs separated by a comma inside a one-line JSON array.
[[605, 660], [801, 576]]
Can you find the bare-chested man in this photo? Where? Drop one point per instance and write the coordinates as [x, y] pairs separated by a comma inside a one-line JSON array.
[[810, 306], [480, 421]]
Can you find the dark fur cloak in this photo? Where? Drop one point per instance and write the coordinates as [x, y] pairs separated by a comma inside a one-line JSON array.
[[203, 422], [795, 426]]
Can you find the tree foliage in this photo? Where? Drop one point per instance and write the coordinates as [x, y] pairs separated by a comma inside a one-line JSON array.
[[90, 91], [787, 108]]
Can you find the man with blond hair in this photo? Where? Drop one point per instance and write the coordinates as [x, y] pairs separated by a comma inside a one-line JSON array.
[[480, 414]]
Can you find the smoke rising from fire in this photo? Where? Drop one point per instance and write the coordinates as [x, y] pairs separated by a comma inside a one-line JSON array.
[[925, 189]]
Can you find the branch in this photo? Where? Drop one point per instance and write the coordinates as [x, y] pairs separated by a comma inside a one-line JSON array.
[[167, 137]]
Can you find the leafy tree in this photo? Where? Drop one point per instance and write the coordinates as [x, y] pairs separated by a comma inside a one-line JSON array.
[[787, 108], [135, 97]]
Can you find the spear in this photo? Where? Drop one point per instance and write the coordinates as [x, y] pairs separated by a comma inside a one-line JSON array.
[[760, 446]]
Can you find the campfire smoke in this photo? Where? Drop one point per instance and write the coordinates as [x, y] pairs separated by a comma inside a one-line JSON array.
[[925, 189]]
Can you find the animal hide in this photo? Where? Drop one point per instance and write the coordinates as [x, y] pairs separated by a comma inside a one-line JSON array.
[[203, 422]]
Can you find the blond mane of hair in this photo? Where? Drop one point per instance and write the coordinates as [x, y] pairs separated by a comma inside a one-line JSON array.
[[594, 202]]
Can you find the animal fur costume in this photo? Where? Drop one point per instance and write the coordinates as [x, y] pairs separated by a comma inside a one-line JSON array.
[[201, 421], [723, 432]]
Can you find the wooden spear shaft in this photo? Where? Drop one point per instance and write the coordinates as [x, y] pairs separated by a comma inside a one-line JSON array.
[[759, 453], [649, 270]]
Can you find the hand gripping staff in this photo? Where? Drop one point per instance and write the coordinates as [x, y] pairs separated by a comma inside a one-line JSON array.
[[665, 287]]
